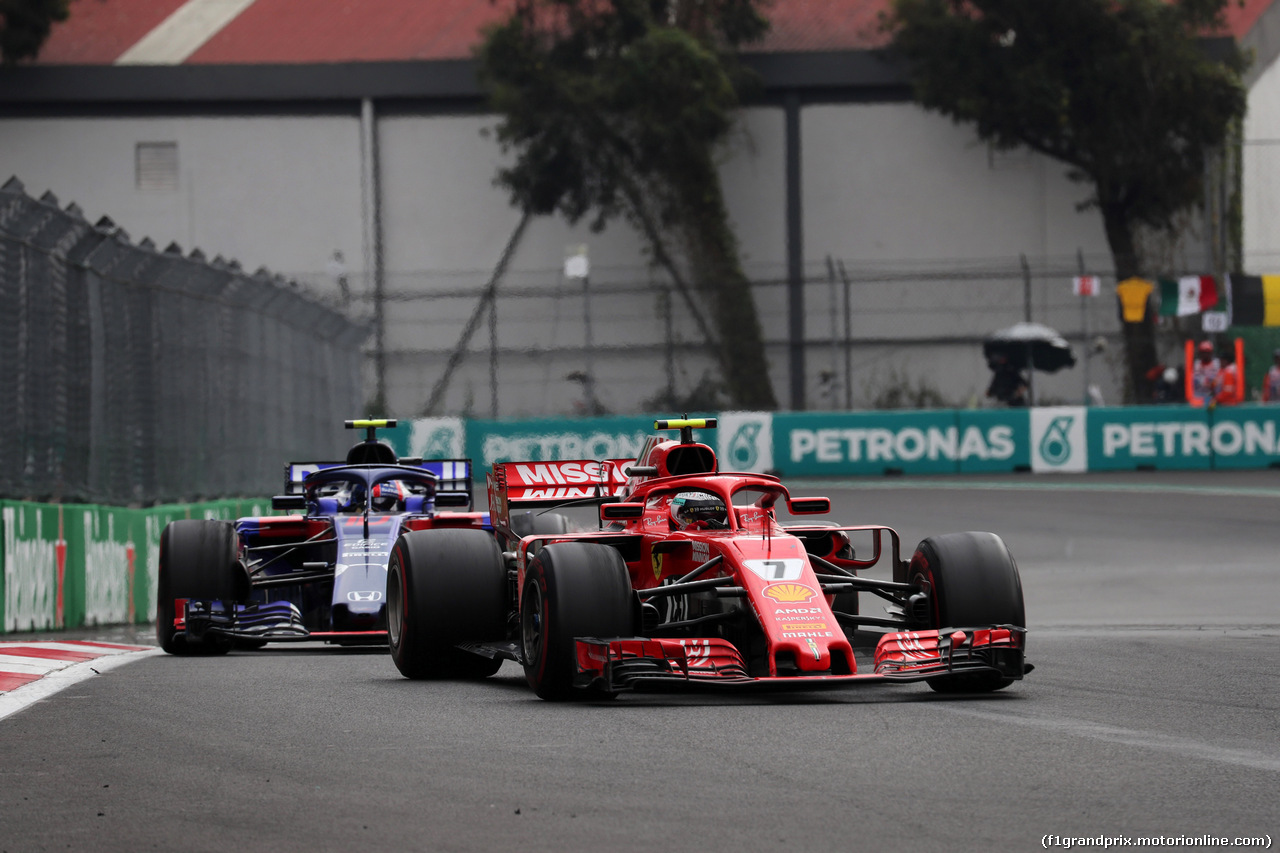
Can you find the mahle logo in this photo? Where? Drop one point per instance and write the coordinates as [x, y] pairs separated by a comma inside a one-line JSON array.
[[743, 451], [1055, 444]]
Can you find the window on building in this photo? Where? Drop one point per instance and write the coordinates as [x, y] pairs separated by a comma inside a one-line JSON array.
[[156, 165]]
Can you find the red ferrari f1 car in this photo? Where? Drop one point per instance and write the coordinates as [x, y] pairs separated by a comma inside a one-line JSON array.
[[691, 581]]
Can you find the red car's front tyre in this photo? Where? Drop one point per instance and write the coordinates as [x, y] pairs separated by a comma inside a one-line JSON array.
[[973, 583], [572, 590]]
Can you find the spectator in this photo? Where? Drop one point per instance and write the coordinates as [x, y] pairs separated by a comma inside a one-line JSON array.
[[1271, 382], [1008, 385], [1204, 374], [1225, 384], [1166, 385]]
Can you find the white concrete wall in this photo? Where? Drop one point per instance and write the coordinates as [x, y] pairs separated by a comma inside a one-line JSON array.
[[885, 186], [1261, 182], [892, 183], [283, 192]]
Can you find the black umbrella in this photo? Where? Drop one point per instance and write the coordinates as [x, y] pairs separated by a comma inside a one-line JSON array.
[[1028, 344]]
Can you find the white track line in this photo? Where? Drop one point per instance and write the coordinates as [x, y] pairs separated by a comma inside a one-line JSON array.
[[58, 675]]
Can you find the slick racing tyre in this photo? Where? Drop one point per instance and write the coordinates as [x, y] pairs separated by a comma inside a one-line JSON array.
[[571, 590], [973, 582], [445, 587], [198, 561]]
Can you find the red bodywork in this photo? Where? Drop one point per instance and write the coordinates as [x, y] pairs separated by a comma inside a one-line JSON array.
[[763, 567]]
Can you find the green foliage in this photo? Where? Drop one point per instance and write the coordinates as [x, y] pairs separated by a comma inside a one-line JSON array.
[[1118, 89], [897, 391], [25, 24], [1122, 91], [614, 109]]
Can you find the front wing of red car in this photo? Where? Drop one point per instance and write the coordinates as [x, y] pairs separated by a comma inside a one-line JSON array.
[[619, 664]]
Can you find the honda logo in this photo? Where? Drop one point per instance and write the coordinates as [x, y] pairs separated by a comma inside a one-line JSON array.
[[364, 596]]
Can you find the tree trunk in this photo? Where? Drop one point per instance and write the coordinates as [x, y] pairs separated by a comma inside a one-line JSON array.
[[1139, 338], [716, 272]]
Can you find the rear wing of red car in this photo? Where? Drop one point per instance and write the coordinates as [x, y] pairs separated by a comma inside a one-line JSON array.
[[453, 476], [536, 485]]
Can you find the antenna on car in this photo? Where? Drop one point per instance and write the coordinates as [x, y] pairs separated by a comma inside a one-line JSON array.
[[371, 426], [686, 425], [371, 451]]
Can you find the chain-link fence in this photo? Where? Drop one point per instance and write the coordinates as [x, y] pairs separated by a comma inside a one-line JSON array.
[[877, 335], [136, 376]]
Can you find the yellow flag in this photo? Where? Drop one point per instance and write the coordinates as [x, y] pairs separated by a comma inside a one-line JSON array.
[[1133, 293]]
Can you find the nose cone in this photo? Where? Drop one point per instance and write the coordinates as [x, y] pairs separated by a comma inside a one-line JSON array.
[[360, 616]]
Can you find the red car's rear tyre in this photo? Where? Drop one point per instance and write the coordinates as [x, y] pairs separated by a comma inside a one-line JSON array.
[[198, 561], [445, 587], [571, 590], [973, 582]]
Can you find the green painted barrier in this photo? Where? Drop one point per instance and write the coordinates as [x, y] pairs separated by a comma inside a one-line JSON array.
[[984, 439], [1157, 437], [906, 442], [1245, 436], [72, 565]]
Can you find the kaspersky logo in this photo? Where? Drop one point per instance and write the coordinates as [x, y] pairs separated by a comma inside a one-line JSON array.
[[1055, 444], [743, 451]]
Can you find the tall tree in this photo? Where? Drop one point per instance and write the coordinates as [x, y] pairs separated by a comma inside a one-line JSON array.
[[1122, 91], [25, 24], [616, 109]]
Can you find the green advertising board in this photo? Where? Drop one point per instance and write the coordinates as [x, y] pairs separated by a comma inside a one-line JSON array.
[[35, 561], [820, 444], [1245, 436], [70, 565], [1157, 437], [984, 438]]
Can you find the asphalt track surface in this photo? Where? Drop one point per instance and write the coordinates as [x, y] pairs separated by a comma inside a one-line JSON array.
[[1153, 604]]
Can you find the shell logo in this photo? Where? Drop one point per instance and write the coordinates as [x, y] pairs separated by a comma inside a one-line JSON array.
[[789, 593]]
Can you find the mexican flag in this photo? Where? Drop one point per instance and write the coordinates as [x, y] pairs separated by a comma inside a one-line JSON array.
[[1190, 294]]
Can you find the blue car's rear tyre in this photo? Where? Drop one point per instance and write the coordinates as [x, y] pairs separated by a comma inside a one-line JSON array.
[[198, 561], [973, 583], [445, 587], [571, 590]]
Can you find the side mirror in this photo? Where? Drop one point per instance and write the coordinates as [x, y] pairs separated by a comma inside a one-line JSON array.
[[621, 511], [454, 499], [287, 502], [809, 506]]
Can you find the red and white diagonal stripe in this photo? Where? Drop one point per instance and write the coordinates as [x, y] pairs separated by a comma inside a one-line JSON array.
[[25, 663]]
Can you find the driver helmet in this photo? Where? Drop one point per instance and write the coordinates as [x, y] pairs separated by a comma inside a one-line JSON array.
[[699, 511], [388, 496]]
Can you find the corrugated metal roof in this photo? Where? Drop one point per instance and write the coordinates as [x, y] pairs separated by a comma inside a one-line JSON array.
[[321, 31]]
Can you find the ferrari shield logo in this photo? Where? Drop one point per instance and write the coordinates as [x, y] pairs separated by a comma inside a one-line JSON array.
[[657, 566]]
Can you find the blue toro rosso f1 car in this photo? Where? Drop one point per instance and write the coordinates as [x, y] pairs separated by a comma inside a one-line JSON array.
[[318, 574], [695, 579]]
